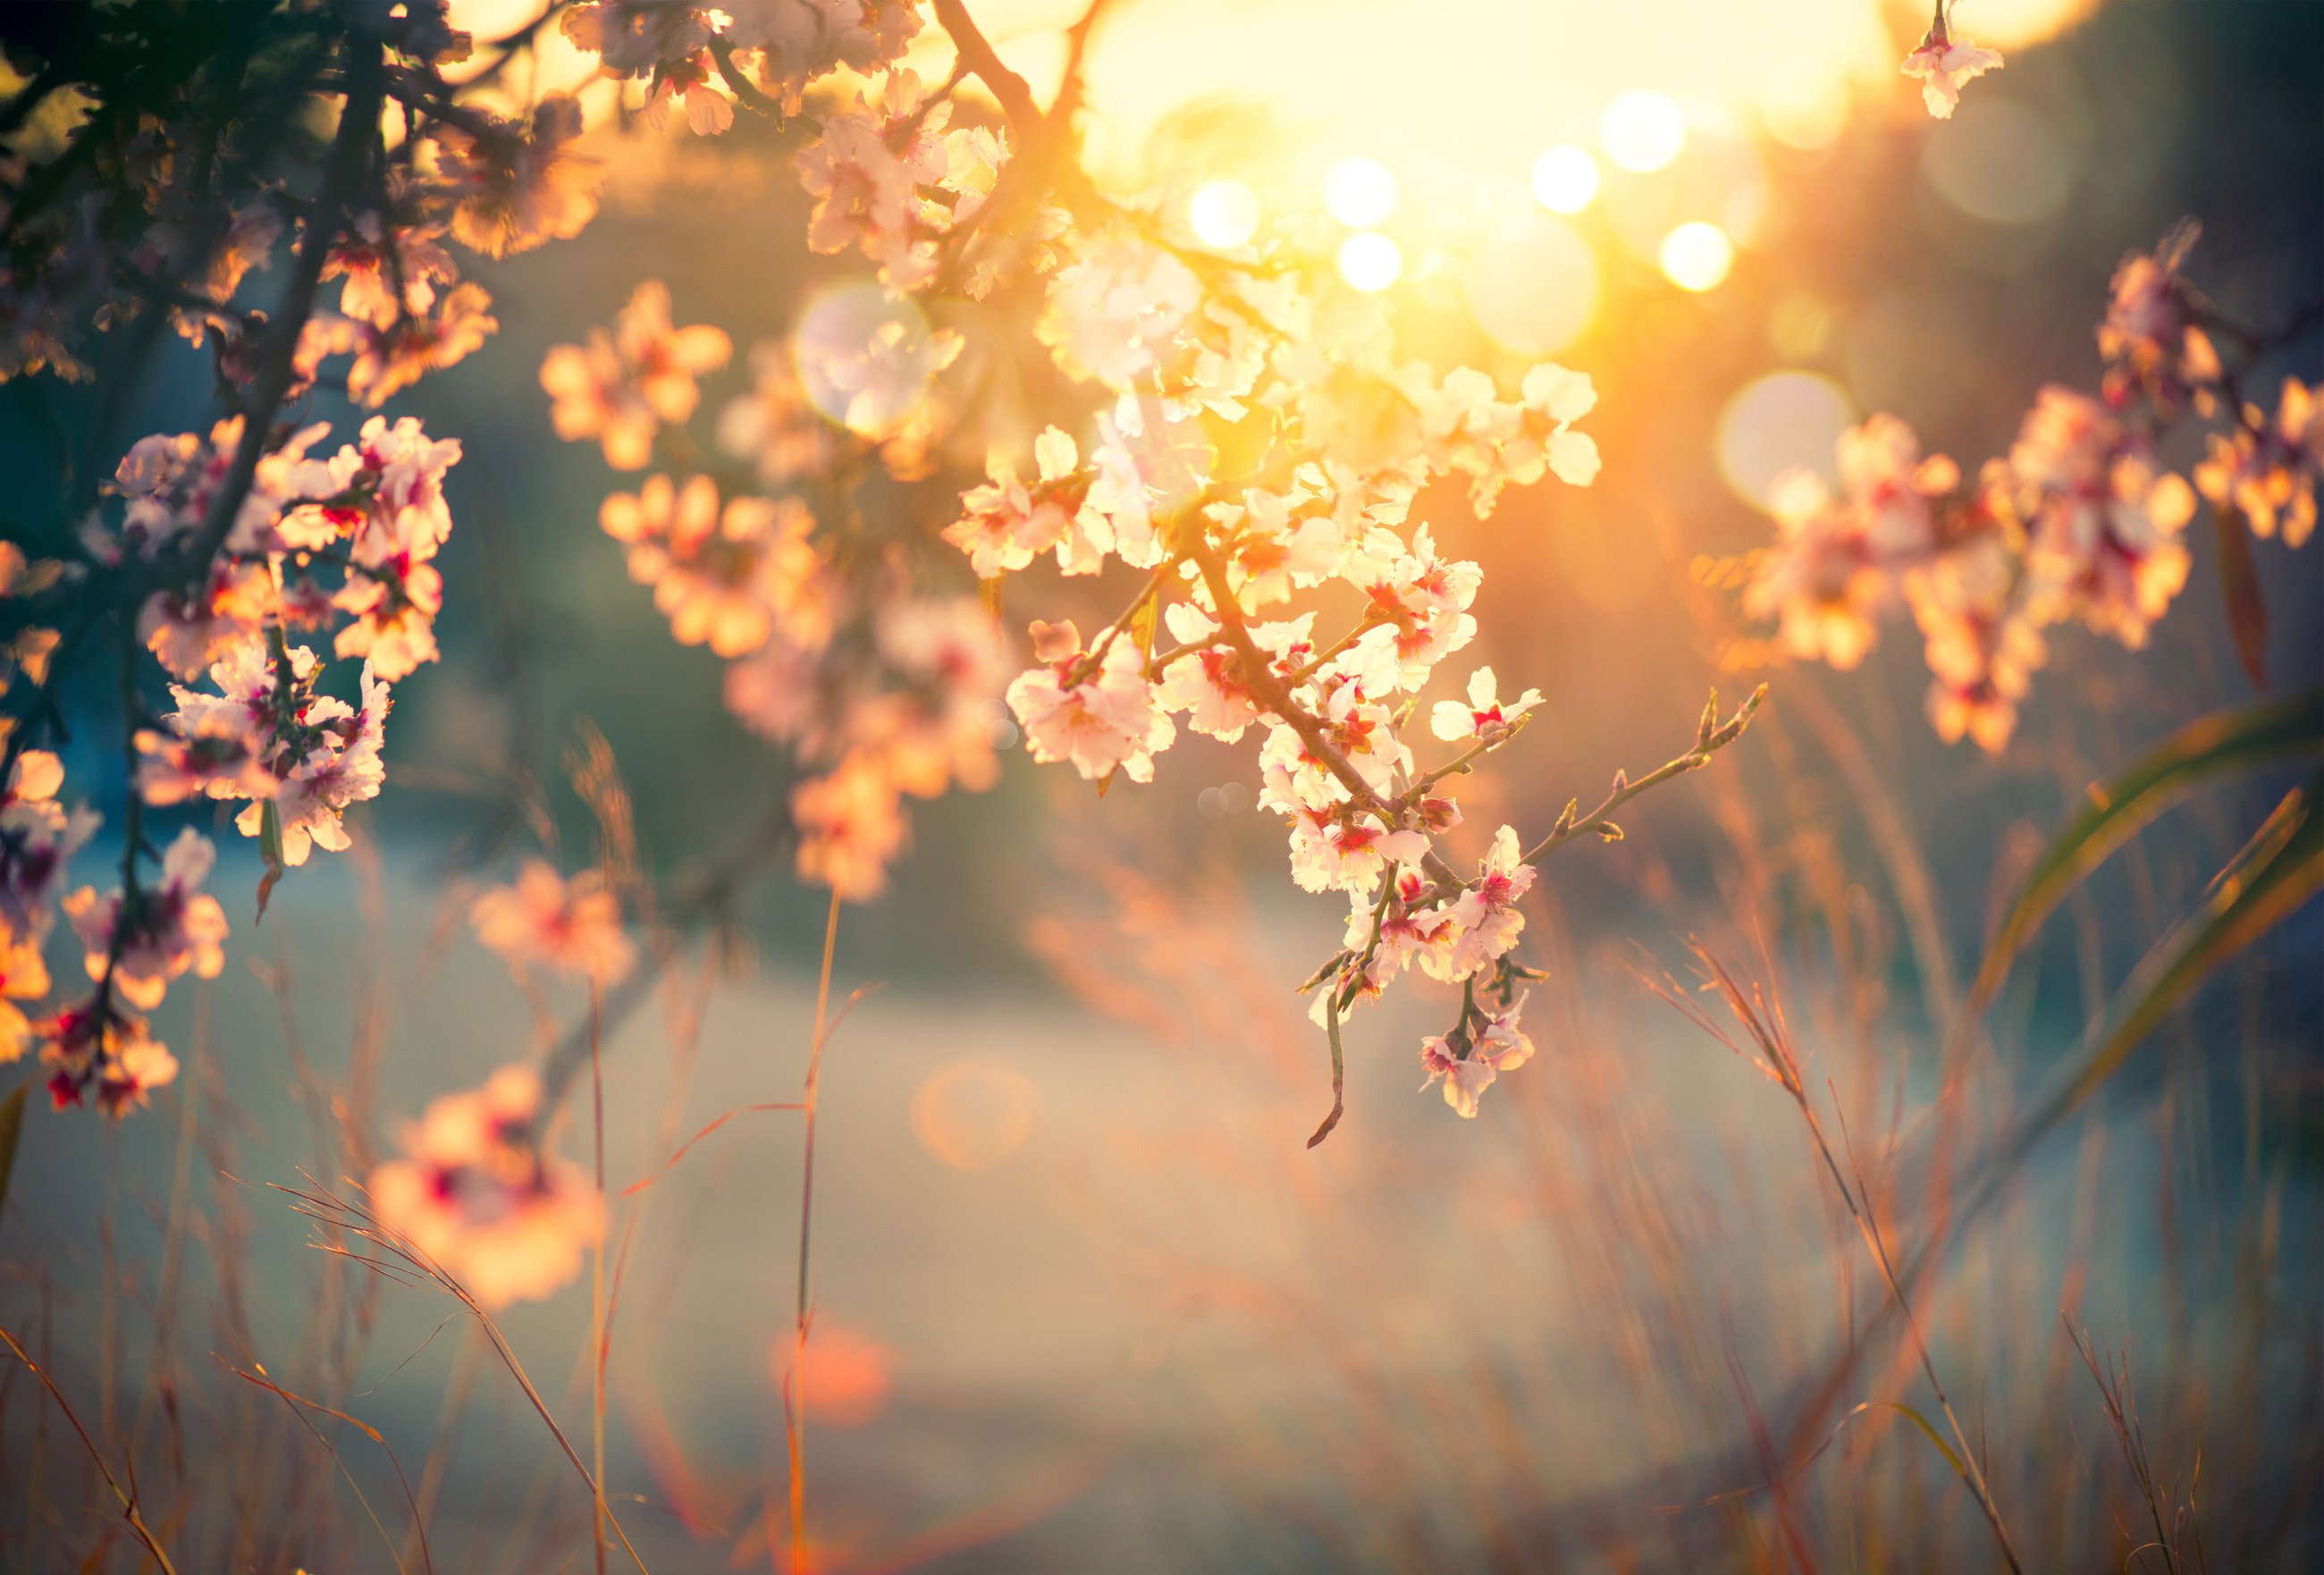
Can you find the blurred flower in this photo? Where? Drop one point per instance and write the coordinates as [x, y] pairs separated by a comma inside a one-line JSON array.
[[1982, 644], [849, 829], [2266, 471], [168, 928], [505, 1220], [2103, 524], [2150, 339], [620, 388], [573, 926], [729, 577], [519, 186]]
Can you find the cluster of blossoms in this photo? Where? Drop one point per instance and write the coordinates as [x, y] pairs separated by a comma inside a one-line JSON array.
[[239, 560], [888, 691], [883, 681], [2078, 522]]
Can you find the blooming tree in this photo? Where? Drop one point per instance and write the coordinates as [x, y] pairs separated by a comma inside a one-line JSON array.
[[1236, 465]]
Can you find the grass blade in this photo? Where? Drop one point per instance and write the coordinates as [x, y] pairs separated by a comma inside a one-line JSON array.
[[2243, 739], [11, 1127]]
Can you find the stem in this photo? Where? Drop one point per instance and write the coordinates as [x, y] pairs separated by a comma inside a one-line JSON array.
[[358, 130], [597, 1334], [795, 1413], [128, 1504], [1709, 742]]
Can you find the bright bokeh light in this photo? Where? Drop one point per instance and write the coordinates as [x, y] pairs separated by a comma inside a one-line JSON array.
[[1358, 192], [1371, 261], [1533, 283], [1642, 131], [1775, 422], [867, 359], [1696, 256], [1224, 212], [1566, 179], [971, 1113]]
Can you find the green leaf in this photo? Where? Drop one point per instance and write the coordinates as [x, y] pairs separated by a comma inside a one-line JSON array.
[[11, 1127], [2280, 868], [2243, 739]]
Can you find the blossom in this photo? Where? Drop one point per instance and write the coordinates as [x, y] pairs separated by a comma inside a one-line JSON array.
[[519, 186], [1406, 930], [1487, 912], [1452, 721], [1470, 1064], [2150, 337], [1943, 62], [1101, 715], [165, 929], [573, 926], [664, 360], [2104, 525], [474, 1194], [37, 836], [2266, 471], [798, 41], [1422, 604], [1892, 488], [1206, 681], [1113, 308], [99, 1052], [392, 358], [630, 37], [24, 976], [1341, 849], [376, 255], [726, 577], [709, 111], [875, 172], [1982, 644], [188, 633], [1005, 522], [1819, 577], [334, 763], [849, 829], [620, 388]]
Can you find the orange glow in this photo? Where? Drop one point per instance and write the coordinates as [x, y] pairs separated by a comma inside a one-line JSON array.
[[974, 1114], [846, 1378]]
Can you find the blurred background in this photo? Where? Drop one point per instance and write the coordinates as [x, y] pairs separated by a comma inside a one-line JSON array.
[[1084, 1300]]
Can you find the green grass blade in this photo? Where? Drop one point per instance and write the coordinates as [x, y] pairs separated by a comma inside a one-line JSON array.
[[2280, 868], [2244, 739]]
